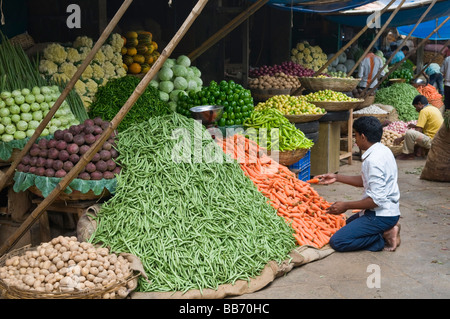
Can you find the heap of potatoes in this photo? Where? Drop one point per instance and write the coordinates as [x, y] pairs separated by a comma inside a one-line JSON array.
[[389, 136], [66, 265], [279, 80]]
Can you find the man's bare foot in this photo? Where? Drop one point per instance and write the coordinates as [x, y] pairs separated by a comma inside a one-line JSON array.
[[392, 238]]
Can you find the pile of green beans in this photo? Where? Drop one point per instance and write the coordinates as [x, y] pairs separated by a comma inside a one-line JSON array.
[[287, 138], [193, 224]]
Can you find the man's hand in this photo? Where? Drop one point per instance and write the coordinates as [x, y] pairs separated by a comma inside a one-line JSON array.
[[398, 140], [326, 179], [337, 208]]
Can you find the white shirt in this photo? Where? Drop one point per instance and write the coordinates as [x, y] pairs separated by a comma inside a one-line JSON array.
[[379, 174], [364, 70], [445, 70]]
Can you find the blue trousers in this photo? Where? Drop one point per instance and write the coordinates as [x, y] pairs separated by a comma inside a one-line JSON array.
[[363, 232]]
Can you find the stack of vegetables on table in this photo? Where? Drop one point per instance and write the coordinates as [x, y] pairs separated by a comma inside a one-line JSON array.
[[237, 101], [177, 77], [111, 97], [57, 156], [21, 112], [60, 63], [400, 96], [289, 105], [371, 109], [342, 64], [311, 57], [329, 96], [139, 51], [287, 67], [399, 127], [175, 208], [277, 81], [269, 128], [405, 72], [432, 95], [295, 200], [65, 265]]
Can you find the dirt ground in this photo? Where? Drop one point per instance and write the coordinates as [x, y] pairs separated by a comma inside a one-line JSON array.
[[419, 268]]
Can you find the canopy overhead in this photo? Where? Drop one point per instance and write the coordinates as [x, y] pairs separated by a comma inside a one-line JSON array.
[[409, 13], [317, 6], [425, 28]]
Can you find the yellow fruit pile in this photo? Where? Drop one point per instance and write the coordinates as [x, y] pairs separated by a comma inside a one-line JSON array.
[[139, 52]]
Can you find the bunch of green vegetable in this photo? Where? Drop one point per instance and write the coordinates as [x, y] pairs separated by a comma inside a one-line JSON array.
[[194, 224], [110, 98], [237, 101], [177, 76], [284, 137], [400, 96]]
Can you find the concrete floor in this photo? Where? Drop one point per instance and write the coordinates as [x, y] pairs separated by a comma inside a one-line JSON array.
[[419, 268]]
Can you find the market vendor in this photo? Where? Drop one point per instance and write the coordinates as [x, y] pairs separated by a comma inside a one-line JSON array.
[[400, 55], [434, 75], [375, 227], [421, 133], [369, 68]]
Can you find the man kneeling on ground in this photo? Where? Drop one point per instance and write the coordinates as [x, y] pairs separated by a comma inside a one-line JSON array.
[[422, 133], [376, 226]]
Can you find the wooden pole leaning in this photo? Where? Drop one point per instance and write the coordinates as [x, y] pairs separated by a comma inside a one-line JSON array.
[[226, 29], [86, 158], [408, 55], [10, 172], [377, 76], [377, 36]]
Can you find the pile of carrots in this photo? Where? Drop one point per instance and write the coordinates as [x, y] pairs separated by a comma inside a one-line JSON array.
[[295, 200], [432, 94]]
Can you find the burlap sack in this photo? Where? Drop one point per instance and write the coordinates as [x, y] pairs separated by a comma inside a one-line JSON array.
[[437, 166], [300, 256], [86, 225]]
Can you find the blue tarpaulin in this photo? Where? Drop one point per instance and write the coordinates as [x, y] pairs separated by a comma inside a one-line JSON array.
[[424, 29], [317, 6]]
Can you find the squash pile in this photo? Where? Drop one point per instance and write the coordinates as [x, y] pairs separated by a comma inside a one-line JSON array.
[[139, 52]]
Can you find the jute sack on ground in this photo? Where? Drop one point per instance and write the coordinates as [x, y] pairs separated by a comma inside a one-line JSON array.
[[437, 166], [299, 256]]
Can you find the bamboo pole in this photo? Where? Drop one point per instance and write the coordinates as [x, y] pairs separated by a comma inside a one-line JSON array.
[[446, 44], [86, 158], [408, 55], [380, 32], [10, 172], [345, 47], [226, 29], [364, 92]]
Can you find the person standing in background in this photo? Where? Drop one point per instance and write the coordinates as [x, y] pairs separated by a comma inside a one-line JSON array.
[[369, 68], [400, 55], [445, 70]]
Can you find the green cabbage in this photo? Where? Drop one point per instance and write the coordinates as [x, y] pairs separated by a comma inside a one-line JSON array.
[[166, 86], [180, 83], [184, 60], [179, 70], [165, 74]]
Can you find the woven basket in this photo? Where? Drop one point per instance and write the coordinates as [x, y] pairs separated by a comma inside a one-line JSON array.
[[378, 116], [304, 118], [24, 40], [288, 157], [397, 149], [74, 196], [368, 100], [12, 292], [337, 106], [260, 95], [335, 84]]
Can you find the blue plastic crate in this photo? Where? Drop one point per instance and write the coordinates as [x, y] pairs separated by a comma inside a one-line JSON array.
[[303, 163], [305, 174]]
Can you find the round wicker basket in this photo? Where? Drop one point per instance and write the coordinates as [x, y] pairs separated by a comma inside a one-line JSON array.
[[74, 196], [331, 83], [287, 158], [396, 149], [378, 116], [260, 95], [12, 292], [337, 106], [304, 118], [368, 100]]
